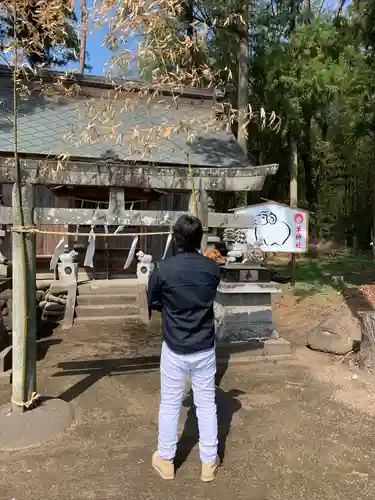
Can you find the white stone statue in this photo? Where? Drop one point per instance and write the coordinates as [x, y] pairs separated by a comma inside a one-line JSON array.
[[239, 250], [144, 258], [254, 252], [67, 267], [69, 257], [145, 266]]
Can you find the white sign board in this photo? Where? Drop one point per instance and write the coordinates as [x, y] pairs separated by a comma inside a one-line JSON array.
[[277, 227]]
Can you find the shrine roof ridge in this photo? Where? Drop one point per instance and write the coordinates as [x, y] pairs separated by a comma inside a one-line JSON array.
[[104, 83], [107, 160], [56, 124]]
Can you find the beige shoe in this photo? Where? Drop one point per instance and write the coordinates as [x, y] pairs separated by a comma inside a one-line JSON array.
[[209, 471], [165, 468]]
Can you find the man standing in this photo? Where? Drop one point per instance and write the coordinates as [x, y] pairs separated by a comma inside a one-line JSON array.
[[183, 288]]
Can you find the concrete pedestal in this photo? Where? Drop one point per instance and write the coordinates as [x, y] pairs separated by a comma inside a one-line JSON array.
[[243, 311], [34, 427]]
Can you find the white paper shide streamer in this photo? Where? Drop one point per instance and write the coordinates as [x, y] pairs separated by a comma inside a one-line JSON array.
[[119, 230], [56, 254], [90, 252], [131, 253], [167, 245]]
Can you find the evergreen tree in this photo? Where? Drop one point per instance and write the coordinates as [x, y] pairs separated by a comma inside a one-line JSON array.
[[34, 38]]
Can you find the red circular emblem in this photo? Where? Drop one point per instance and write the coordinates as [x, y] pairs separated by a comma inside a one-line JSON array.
[[299, 218]]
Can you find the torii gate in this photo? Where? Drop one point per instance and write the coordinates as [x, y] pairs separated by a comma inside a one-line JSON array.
[[119, 174], [116, 175]]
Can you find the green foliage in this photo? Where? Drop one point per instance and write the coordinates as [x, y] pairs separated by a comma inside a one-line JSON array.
[[46, 37], [319, 80], [315, 68]]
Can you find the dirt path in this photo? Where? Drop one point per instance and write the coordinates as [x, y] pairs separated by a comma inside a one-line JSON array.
[[298, 429]]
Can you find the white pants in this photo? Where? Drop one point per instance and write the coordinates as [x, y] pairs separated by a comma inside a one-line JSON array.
[[174, 369]]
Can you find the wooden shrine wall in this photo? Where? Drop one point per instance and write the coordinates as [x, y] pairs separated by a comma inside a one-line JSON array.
[[111, 253], [45, 243]]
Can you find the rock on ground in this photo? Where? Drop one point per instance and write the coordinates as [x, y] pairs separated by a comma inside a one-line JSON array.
[[337, 333]]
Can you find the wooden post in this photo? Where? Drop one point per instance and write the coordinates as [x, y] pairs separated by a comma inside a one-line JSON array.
[[192, 208], [116, 206], [2, 231], [203, 215], [202, 205], [24, 300]]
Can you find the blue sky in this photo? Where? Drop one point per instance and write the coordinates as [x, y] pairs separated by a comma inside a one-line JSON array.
[[98, 54]]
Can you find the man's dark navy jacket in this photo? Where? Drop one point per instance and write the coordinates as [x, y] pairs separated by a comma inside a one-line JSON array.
[[183, 288]]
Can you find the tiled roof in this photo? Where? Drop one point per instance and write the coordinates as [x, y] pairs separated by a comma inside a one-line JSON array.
[[44, 122]]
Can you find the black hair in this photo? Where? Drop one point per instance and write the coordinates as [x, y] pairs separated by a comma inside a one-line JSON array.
[[188, 233]]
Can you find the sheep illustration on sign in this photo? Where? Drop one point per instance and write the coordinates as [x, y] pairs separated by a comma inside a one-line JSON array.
[[272, 231], [275, 228]]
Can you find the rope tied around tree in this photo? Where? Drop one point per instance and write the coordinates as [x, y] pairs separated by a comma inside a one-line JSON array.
[[32, 402]]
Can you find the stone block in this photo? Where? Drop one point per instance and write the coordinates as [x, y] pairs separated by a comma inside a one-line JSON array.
[[6, 359], [244, 299], [3, 335], [142, 303], [237, 288], [5, 270], [251, 272], [6, 377], [243, 309], [277, 347], [242, 323]]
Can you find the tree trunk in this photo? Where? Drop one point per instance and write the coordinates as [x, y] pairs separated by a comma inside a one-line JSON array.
[[373, 215], [306, 156], [366, 354], [82, 53], [24, 299], [23, 272], [243, 83], [293, 193], [293, 185], [189, 18], [243, 90]]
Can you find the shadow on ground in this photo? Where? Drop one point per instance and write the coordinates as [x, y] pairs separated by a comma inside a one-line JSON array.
[[227, 406], [95, 370], [227, 402], [43, 345]]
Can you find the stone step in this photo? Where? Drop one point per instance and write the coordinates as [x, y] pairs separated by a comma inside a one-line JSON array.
[[106, 299], [120, 319], [110, 287], [97, 311]]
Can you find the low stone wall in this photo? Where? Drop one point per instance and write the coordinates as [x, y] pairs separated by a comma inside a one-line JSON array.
[[6, 318]]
